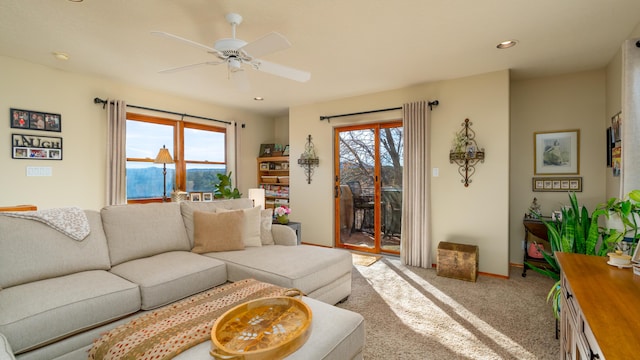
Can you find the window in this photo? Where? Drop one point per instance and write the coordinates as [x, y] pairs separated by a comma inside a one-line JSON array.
[[204, 156]]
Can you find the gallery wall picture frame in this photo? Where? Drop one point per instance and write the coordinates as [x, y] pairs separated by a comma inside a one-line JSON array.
[[207, 196], [195, 196], [36, 147], [616, 126], [610, 145], [556, 152], [35, 120], [557, 184], [616, 160]]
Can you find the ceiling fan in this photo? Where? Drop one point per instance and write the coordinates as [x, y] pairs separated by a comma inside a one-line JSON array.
[[236, 53]]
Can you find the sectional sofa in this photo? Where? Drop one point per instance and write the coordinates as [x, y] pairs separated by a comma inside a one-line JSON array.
[[58, 294]]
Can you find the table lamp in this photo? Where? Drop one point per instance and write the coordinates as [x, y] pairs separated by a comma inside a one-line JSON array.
[[164, 158]]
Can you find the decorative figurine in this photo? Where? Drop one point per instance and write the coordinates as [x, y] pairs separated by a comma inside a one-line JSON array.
[[534, 208]]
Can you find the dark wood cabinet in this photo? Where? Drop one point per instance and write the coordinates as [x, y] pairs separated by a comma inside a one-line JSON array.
[[534, 231]]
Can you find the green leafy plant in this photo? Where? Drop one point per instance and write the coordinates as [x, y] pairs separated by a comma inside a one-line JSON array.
[[224, 190], [627, 213], [578, 232]]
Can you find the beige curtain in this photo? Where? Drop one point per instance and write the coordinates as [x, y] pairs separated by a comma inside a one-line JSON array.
[[116, 152], [630, 117], [416, 204]]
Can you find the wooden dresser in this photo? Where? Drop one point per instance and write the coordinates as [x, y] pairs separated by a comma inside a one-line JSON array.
[[600, 309]]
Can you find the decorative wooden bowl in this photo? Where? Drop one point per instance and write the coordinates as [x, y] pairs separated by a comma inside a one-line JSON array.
[[267, 328]]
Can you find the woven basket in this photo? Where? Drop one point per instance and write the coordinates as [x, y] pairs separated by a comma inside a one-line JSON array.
[[177, 196]]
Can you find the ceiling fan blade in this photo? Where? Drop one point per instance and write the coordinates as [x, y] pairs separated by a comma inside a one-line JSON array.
[[267, 44], [281, 70], [240, 80], [186, 41], [180, 68]]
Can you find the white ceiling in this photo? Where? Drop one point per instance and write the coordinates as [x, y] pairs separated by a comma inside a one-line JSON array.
[[351, 47]]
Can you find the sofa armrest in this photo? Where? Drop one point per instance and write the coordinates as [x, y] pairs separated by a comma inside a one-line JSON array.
[[5, 349], [283, 235]]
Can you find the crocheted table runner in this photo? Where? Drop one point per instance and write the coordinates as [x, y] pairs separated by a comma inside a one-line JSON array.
[[168, 331]]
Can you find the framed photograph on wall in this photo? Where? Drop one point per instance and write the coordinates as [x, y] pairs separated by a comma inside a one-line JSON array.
[[195, 196], [207, 196], [557, 184], [610, 145], [36, 147], [35, 120], [616, 127], [556, 152]]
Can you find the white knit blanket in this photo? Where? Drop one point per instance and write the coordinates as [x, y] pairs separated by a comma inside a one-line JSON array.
[[71, 221]]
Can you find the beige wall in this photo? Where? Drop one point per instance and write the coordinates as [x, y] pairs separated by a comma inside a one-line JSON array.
[[575, 101], [79, 179], [474, 215], [281, 130]]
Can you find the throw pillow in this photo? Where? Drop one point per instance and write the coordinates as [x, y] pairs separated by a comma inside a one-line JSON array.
[[217, 231], [266, 219], [251, 228]]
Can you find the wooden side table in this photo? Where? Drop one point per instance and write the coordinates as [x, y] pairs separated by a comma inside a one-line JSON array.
[[537, 228]]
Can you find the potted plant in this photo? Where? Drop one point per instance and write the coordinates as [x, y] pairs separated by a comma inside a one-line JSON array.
[[577, 232], [282, 214], [622, 220], [224, 190]]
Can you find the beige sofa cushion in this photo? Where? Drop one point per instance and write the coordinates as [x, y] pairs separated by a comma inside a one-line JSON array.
[[218, 231], [34, 251], [44, 311], [187, 208], [171, 276], [141, 230], [303, 267], [5, 349], [266, 219], [250, 225]]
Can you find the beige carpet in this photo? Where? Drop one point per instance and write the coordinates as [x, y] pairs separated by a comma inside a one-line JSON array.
[[364, 260], [411, 313]]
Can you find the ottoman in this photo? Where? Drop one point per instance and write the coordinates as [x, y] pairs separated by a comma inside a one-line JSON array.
[[336, 334]]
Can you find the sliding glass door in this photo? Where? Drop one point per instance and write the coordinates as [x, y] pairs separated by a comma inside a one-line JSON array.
[[368, 187]]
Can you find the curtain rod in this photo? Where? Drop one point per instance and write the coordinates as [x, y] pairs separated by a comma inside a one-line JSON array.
[[329, 117], [104, 103]]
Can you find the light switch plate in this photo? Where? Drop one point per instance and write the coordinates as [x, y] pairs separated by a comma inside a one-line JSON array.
[[436, 172]]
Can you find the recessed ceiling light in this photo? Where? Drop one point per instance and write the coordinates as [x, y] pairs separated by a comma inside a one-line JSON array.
[[76, 0], [507, 44], [61, 55], [258, 98]]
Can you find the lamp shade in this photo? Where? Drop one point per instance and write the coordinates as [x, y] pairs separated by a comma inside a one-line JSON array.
[[163, 157], [257, 195]]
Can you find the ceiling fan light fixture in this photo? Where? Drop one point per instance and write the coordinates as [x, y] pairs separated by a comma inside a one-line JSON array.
[[507, 44], [229, 44], [234, 64]]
